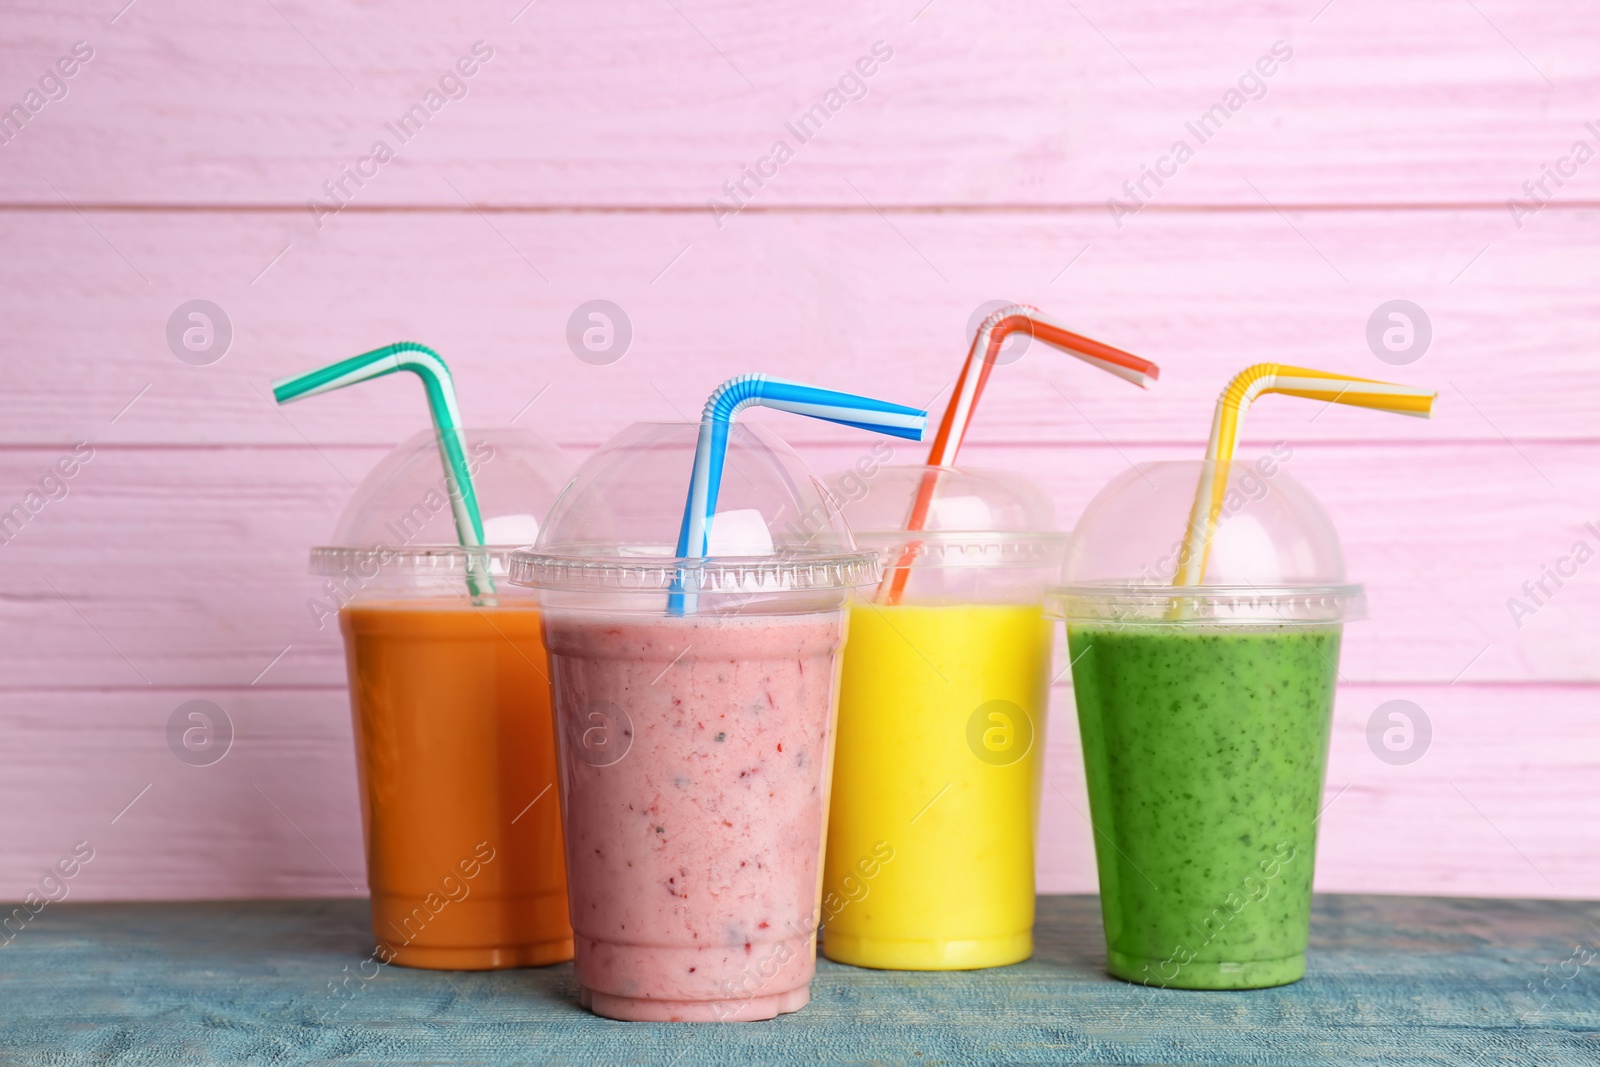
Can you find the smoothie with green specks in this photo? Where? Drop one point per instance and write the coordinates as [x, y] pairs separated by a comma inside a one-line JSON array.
[[1205, 747]]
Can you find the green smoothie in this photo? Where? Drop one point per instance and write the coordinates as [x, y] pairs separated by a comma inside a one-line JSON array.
[[1205, 747]]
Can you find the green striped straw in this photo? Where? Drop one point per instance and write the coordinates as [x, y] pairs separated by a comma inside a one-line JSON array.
[[428, 365]]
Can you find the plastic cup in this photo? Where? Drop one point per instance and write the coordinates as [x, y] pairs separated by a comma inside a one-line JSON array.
[[1204, 712], [696, 749], [454, 743], [942, 713]]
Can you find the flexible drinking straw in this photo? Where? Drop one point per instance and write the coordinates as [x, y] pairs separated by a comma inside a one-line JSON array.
[[429, 366], [1231, 406], [711, 448], [969, 388]]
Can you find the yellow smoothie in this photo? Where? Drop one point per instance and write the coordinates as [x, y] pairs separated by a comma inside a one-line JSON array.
[[939, 761]]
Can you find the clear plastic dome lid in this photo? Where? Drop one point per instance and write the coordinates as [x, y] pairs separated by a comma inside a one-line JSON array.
[[1273, 556], [399, 522], [615, 527], [969, 517]]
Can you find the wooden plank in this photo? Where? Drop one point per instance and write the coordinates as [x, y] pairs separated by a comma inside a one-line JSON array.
[[249, 825], [1447, 600], [188, 566], [1394, 981], [651, 104], [839, 299], [1486, 810]]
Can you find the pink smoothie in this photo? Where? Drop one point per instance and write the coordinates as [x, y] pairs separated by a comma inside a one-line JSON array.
[[696, 757]]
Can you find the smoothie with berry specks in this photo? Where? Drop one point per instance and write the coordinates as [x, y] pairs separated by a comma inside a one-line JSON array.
[[696, 757]]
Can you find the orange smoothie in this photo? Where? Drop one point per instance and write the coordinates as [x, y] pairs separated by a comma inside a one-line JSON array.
[[456, 756]]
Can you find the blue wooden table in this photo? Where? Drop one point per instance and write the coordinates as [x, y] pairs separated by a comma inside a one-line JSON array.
[[1392, 980]]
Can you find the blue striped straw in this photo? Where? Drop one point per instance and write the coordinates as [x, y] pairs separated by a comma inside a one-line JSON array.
[[747, 390]]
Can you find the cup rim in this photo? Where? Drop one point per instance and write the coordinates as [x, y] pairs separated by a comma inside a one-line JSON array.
[[967, 548], [1286, 603], [777, 573], [419, 560]]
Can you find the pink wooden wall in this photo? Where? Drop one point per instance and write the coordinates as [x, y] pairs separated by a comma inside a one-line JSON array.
[[1375, 164]]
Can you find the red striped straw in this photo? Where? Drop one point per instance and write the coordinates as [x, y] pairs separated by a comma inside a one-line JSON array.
[[969, 388]]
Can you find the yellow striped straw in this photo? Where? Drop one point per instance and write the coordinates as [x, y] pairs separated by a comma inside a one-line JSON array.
[[1231, 406]]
